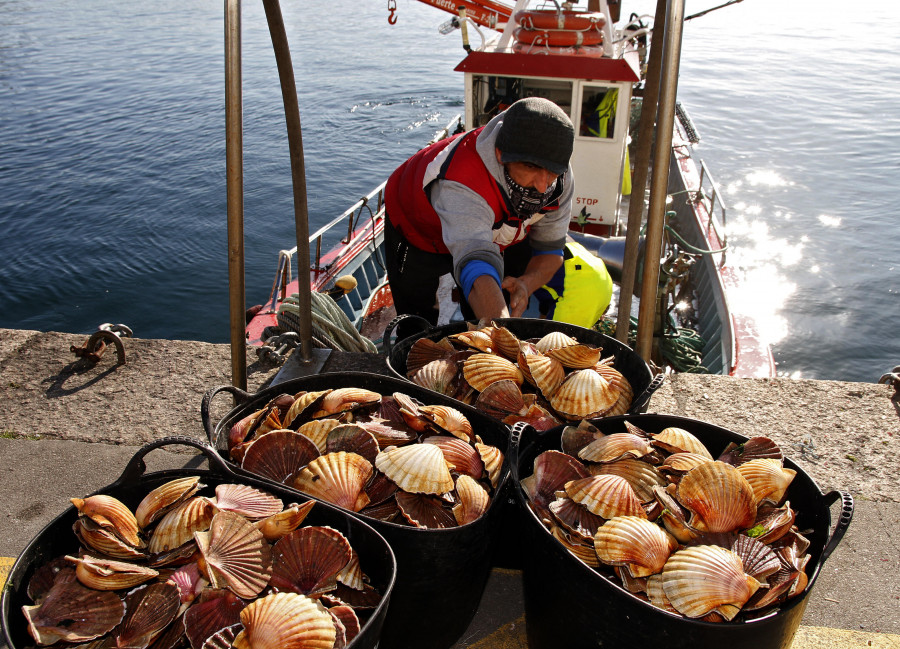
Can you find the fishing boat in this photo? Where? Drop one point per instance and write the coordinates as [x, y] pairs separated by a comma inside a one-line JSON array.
[[596, 67]]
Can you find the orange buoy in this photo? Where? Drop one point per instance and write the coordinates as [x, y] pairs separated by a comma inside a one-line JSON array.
[[550, 19], [558, 37], [593, 51]]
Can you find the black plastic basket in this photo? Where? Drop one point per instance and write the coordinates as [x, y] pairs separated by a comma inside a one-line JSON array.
[[625, 359], [57, 538], [568, 604], [441, 573]]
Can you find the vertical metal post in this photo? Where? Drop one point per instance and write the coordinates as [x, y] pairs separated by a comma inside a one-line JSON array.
[[659, 177], [298, 170], [642, 146], [234, 184]]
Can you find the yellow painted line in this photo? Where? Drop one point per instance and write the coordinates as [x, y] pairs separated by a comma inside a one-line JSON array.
[[512, 636], [6, 564]]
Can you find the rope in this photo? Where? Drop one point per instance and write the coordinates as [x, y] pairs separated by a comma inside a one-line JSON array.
[[682, 348], [329, 323]]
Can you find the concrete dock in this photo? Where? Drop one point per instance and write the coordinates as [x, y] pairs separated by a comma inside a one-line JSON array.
[[68, 428]]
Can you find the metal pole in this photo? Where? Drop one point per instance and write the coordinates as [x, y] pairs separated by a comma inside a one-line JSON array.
[[234, 189], [298, 170], [659, 177], [643, 146]]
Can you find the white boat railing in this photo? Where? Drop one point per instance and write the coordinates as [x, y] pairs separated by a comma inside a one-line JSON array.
[[715, 208]]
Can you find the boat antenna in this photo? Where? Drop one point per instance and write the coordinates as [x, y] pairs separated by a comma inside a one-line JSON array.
[[706, 11]]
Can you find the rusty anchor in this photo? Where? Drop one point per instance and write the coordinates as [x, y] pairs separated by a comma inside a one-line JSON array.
[[96, 345], [276, 347]]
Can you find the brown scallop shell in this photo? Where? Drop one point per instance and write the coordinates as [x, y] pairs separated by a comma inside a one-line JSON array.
[[614, 447], [215, 610], [419, 468], [758, 559], [438, 376], [578, 356], [346, 399], [178, 526], [583, 394], [347, 618], [673, 516], [285, 621], [505, 342], [71, 612], [636, 544], [500, 399], [705, 578], [772, 523], [554, 340], [106, 574], [247, 501], [149, 610], [640, 475], [607, 496], [768, 478], [236, 554], [719, 498], [277, 525], [189, 582], [575, 438], [352, 575], [223, 638], [546, 373], [462, 457], [478, 339], [755, 448], [679, 440], [352, 439], [302, 408], [573, 543], [111, 514], [619, 384], [681, 463], [386, 435], [657, 595], [317, 430], [104, 541], [448, 420], [536, 416], [480, 370], [160, 500], [526, 349], [473, 500], [493, 461], [576, 519], [339, 478], [424, 510], [279, 454], [423, 351], [309, 560], [551, 471]]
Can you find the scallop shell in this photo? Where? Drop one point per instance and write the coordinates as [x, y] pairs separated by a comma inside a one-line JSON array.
[[758, 559], [636, 544], [344, 399], [352, 439], [347, 618], [424, 351], [476, 339], [493, 461], [480, 370], [189, 582], [505, 342], [236, 554], [536, 416], [438, 376], [550, 473], [277, 525], [614, 447], [424, 510], [178, 526], [772, 523], [754, 448], [285, 621], [583, 394], [607, 496], [575, 438], [386, 436], [351, 575], [706, 578], [105, 574], [619, 384], [279, 454], [247, 501], [103, 541], [111, 514], [463, 457], [339, 478], [554, 340], [768, 478], [73, 613], [317, 430], [577, 520], [223, 638], [679, 440], [657, 595], [214, 611], [583, 551], [419, 468], [526, 349], [673, 516], [148, 611], [640, 475], [578, 356], [500, 399], [304, 405], [308, 560], [160, 500], [448, 420], [719, 498], [681, 463], [473, 500], [380, 488], [546, 373]]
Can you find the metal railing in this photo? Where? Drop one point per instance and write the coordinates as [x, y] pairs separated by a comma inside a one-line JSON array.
[[715, 207]]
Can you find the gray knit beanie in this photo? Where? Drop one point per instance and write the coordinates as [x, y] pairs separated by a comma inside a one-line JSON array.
[[536, 130]]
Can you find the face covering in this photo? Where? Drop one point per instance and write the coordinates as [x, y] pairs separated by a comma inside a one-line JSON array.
[[526, 201]]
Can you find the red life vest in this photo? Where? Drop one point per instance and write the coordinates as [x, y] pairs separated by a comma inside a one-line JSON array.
[[409, 208]]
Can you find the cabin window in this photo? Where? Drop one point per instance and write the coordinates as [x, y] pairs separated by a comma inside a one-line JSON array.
[[598, 111], [493, 95]]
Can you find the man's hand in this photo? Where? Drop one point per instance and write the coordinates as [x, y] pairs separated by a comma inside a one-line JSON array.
[[518, 295]]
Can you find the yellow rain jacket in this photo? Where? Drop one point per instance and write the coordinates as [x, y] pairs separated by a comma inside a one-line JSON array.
[[586, 288]]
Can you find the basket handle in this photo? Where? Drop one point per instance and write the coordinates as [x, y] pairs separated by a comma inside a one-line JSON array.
[[136, 466], [843, 520], [519, 429], [393, 324], [240, 396], [640, 403]]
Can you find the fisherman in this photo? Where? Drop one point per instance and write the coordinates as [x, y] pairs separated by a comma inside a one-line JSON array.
[[580, 291], [491, 206]]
